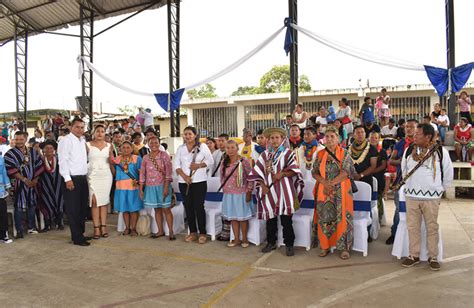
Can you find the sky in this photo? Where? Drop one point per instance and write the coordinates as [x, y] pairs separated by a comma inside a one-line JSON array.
[[215, 33]]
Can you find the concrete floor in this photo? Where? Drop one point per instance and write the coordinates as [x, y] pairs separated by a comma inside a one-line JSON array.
[[46, 271]]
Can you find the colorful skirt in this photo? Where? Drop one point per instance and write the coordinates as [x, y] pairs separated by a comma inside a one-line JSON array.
[[154, 197], [234, 207], [127, 201]]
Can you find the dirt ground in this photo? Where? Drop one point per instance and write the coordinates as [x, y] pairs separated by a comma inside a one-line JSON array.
[[45, 270]]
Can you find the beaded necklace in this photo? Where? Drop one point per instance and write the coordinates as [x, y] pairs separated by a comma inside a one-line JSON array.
[[155, 163], [358, 153]]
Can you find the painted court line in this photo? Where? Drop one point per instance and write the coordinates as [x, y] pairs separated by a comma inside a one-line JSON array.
[[331, 299], [157, 253], [429, 276], [210, 284], [237, 280]]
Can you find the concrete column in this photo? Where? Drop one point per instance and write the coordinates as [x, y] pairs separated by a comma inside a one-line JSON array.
[[240, 119], [434, 98], [190, 116]]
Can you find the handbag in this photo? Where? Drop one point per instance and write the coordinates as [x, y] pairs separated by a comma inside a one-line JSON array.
[[143, 225], [346, 120]]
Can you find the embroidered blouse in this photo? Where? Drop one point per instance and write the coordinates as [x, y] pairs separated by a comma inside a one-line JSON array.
[[152, 175], [237, 183]]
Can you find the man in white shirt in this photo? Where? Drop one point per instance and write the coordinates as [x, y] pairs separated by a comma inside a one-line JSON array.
[[147, 116], [322, 119], [72, 156], [133, 123], [423, 191], [390, 130]]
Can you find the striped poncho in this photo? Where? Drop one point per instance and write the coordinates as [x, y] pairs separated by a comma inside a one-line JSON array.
[[285, 192], [15, 162]]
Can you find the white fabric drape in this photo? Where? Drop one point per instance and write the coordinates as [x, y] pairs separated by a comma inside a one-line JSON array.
[[237, 63], [83, 61], [360, 53]]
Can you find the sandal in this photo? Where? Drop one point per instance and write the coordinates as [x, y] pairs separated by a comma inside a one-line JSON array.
[[231, 243], [202, 239], [172, 237], [156, 235], [245, 244], [126, 232], [323, 253], [133, 232], [190, 238], [96, 236], [345, 255], [104, 234]]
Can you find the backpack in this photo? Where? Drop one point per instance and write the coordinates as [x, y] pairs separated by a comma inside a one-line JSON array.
[[440, 155]]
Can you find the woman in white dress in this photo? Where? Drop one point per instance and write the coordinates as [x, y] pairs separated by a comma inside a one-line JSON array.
[[99, 176]]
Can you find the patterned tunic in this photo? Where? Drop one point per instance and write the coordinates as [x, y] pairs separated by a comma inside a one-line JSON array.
[[24, 196], [334, 218], [284, 193]]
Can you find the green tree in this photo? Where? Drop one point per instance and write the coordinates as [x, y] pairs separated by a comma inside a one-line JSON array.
[[274, 81], [206, 91], [245, 90], [128, 110]]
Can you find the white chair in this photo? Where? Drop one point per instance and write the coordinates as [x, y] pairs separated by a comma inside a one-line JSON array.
[[362, 208], [213, 207], [302, 219], [401, 243], [257, 232], [178, 215], [375, 226]]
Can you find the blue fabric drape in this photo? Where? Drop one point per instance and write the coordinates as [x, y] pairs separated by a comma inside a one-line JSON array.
[[176, 98], [460, 75], [162, 99], [288, 36], [438, 77], [440, 80]]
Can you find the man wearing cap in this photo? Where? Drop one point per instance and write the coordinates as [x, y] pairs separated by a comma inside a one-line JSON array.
[[247, 149], [279, 186], [147, 116]]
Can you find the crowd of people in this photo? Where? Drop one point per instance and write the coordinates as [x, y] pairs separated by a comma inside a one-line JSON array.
[[125, 165]]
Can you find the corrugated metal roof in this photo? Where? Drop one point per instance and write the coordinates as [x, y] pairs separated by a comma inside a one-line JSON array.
[[50, 15]]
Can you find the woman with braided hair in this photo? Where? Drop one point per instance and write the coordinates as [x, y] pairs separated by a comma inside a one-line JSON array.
[[155, 186]]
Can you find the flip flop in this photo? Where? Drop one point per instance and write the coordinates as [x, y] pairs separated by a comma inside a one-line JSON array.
[[323, 253], [345, 255]]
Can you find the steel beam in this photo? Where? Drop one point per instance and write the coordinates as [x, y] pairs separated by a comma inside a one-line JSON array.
[[173, 60], [293, 14], [87, 48], [21, 71], [450, 54]]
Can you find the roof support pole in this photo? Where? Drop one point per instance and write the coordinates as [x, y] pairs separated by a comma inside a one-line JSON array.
[[450, 54], [293, 14], [173, 60], [21, 71], [85, 102]]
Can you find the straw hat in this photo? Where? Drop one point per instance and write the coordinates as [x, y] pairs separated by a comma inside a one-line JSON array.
[[272, 130]]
